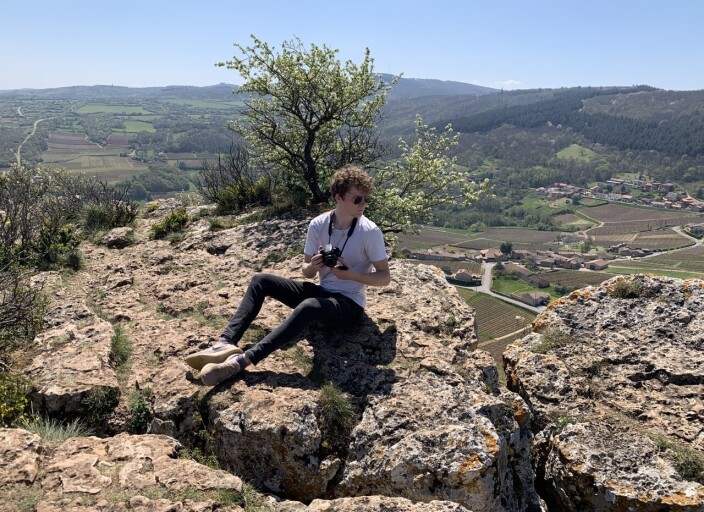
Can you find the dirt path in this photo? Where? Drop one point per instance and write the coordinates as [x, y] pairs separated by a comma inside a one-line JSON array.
[[18, 153]]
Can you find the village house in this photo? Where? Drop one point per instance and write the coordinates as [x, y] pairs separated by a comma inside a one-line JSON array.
[[492, 255], [565, 262], [464, 276], [526, 275], [535, 299], [599, 264], [521, 254]]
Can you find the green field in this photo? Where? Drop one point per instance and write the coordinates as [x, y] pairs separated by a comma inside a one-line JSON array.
[[576, 152], [105, 108], [137, 126]]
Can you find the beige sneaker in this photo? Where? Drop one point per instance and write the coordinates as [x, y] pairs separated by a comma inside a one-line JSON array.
[[214, 373], [218, 353]]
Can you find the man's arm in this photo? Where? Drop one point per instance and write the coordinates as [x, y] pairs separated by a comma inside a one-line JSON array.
[[380, 277], [311, 265]]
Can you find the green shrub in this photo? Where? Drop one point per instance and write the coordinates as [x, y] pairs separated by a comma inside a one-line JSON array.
[[108, 215], [120, 350], [688, 462], [57, 247], [553, 338], [560, 419], [139, 412], [97, 406], [337, 417], [173, 222], [14, 391], [189, 198], [22, 309], [630, 289]]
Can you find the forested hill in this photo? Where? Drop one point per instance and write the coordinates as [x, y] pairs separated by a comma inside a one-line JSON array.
[[622, 117]]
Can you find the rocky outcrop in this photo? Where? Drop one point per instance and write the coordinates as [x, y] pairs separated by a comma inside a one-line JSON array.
[[71, 360], [117, 473], [427, 426], [614, 376]]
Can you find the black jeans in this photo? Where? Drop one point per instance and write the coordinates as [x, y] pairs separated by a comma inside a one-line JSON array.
[[311, 304]]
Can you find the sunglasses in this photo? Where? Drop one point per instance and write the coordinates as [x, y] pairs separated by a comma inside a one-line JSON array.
[[359, 199]]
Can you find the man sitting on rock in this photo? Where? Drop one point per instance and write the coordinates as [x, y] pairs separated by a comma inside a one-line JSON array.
[[343, 247]]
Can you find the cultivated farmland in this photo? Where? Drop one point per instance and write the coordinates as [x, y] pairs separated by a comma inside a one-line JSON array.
[[685, 263], [498, 324], [76, 154], [644, 228], [573, 279], [495, 318], [618, 213]]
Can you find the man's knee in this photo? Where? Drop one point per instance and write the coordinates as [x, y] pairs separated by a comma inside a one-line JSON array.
[[260, 281], [308, 307]]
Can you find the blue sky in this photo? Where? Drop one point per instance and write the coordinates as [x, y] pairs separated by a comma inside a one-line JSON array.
[[515, 44]]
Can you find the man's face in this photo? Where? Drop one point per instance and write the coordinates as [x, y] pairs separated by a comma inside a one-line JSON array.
[[353, 202]]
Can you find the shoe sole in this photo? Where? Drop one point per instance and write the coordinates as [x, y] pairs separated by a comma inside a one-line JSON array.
[[212, 375], [197, 361]]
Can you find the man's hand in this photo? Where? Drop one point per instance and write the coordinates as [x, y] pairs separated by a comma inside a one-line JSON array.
[[341, 270], [312, 265]]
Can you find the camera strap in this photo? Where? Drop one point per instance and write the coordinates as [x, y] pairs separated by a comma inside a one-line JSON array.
[[349, 232]]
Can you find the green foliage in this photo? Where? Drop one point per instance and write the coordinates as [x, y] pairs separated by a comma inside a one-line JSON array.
[[189, 198], [14, 391], [308, 113], [120, 350], [57, 247], [560, 419], [553, 338], [160, 179], [53, 431], [630, 289], [506, 248], [302, 360], [22, 309], [424, 177], [688, 462], [173, 222], [140, 414], [232, 184], [337, 417], [97, 406], [41, 210]]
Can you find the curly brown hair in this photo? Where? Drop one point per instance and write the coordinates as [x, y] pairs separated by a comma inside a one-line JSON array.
[[349, 176]]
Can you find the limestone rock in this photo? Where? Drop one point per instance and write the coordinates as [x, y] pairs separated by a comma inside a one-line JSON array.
[[430, 425], [72, 359], [112, 474], [428, 421], [614, 376], [381, 503], [19, 456], [118, 238]]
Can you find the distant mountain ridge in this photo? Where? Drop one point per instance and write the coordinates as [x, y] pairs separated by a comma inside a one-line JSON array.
[[405, 89]]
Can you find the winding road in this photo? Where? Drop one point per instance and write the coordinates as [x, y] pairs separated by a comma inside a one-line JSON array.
[[18, 153]]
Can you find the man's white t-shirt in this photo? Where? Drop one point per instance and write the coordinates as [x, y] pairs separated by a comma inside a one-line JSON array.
[[364, 246]]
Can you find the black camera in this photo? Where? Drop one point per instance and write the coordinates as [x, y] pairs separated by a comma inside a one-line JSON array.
[[330, 254]]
